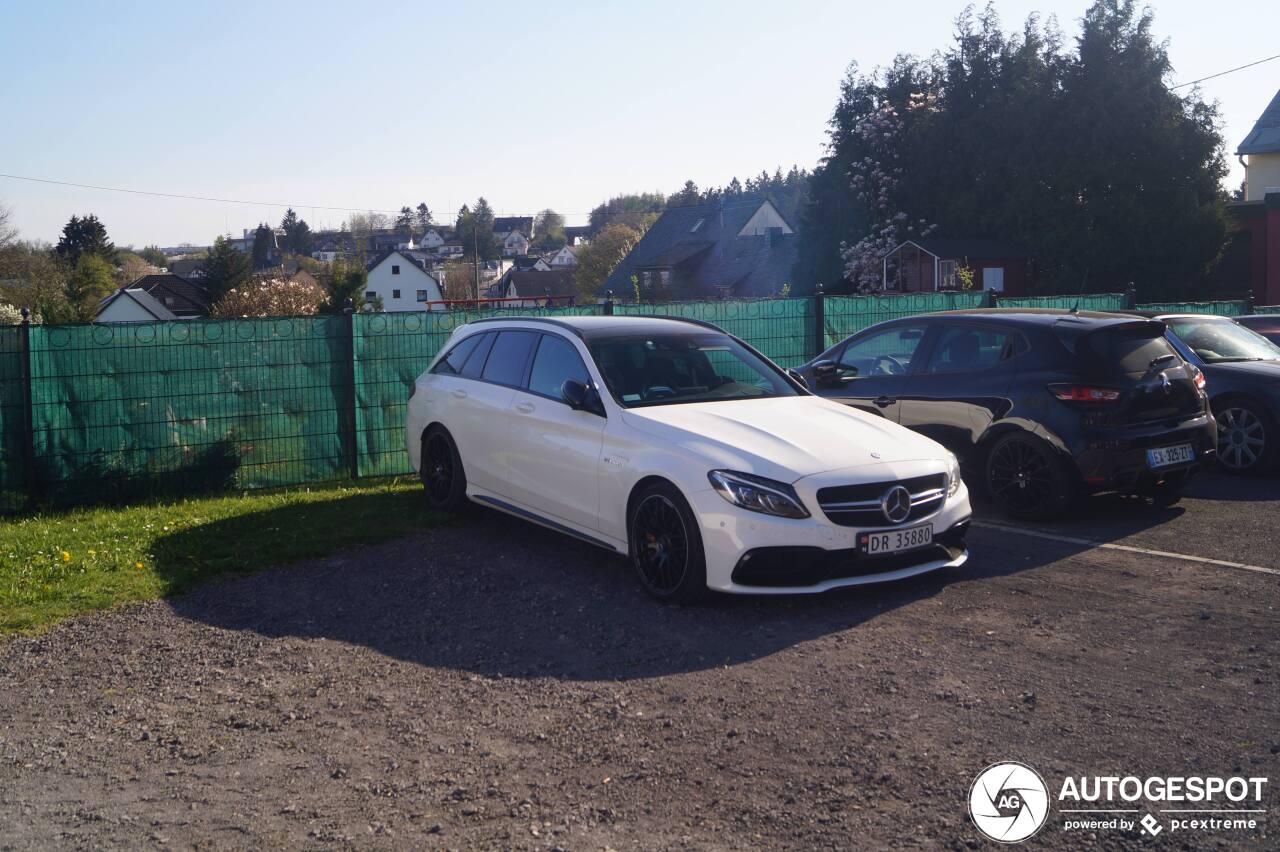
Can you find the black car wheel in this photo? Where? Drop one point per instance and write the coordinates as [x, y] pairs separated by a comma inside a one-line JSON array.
[[443, 479], [1026, 478], [666, 547], [1246, 436]]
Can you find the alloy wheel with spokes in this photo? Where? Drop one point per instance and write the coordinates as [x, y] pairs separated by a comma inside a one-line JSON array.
[[1242, 438], [666, 547], [441, 472], [1024, 478]]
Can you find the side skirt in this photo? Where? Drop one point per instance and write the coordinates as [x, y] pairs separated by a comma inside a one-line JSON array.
[[504, 506]]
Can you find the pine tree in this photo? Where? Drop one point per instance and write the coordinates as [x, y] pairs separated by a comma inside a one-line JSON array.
[[422, 217], [226, 268], [263, 241], [82, 236]]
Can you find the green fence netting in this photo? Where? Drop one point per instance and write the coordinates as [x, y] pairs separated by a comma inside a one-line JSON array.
[[1085, 302], [782, 329], [1223, 309], [844, 315], [1266, 309], [175, 407], [13, 429]]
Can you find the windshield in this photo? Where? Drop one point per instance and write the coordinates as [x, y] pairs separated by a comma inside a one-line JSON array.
[[669, 369], [1218, 340]]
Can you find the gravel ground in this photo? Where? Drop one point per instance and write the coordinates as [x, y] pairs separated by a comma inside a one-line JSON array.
[[412, 695]]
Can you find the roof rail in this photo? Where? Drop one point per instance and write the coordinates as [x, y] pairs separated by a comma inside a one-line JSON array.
[[548, 320], [703, 323]]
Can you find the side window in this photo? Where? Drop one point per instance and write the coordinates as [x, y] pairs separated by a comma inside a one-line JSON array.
[[886, 353], [509, 358], [451, 364], [556, 361], [395, 269], [475, 364], [395, 294], [965, 348]]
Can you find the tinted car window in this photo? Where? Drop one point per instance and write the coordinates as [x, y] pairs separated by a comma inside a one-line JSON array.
[[967, 348], [475, 364], [1133, 349], [555, 362], [451, 364], [886, 353], [509, 357]]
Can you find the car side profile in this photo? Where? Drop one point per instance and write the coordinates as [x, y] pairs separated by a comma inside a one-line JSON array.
[[683, 448], [1039, 405]]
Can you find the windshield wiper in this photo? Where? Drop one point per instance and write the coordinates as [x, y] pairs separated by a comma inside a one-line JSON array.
[[1236, 360]]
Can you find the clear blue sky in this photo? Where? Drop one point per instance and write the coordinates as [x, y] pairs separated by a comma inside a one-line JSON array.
[[531, 104]]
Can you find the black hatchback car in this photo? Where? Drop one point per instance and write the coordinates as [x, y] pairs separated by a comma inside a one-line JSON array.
[[1039, 405]]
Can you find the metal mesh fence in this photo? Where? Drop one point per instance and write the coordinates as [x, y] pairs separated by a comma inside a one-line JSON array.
[[1085, 302], [1223, 309], [781, 329], [1266, 309], [125, 410], [844, 315], [13, 429]]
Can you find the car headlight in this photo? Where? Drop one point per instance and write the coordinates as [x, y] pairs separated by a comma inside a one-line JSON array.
[[953, 474], [757, 494]]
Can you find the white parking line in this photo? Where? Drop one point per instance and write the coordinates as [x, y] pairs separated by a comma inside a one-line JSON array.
[[1204, 560]]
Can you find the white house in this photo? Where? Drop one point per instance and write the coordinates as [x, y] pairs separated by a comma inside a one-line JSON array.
[[567, 256], [132, 304], [400, 278], [431, 240], [515, 243]]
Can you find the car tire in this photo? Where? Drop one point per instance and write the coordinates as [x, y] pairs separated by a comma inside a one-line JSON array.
[[1027, 479], [440, 468], [666, 546], [1248, 436]]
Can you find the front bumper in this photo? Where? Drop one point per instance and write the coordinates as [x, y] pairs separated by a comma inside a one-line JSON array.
[[751, 553], [1118, 460]]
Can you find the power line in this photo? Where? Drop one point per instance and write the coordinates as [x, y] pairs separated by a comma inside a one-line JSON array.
[[1224, 73]]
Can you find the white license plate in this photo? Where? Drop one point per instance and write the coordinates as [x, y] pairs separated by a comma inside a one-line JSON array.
[[895, 541], [1165, 456]]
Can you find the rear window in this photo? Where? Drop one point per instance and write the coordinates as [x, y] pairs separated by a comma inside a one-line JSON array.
[[1132, 349]]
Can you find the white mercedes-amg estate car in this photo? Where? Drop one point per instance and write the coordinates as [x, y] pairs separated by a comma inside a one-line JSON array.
[[681, 446]]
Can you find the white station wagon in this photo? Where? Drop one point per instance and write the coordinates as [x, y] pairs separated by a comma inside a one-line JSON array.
[[681, 446]]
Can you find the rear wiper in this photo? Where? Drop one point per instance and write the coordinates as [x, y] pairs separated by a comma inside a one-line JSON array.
[[1161, 359]]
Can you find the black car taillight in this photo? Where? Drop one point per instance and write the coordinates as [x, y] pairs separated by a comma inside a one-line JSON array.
[[1084, 393]]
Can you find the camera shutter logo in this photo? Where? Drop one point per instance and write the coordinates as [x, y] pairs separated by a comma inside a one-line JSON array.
[[1008, 802]]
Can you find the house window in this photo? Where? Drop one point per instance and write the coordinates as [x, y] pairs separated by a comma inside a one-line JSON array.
[[395, 294], [395, 269], [424, 296], [946, 274], [370, 295]]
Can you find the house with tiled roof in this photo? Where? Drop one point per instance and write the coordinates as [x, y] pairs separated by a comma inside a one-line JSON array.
[[183, 298], [531, 288], [1254, 253], [132, 304], [738, 248], [404, 280]]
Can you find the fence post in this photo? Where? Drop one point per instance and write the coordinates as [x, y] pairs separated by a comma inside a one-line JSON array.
[[819, 339], [1248, 301], [607, 307], [1131, 296], [351, 422], [32, 483]]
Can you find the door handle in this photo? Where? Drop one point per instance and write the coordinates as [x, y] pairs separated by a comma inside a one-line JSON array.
[[459, 393], [524, 407], [884, 401]]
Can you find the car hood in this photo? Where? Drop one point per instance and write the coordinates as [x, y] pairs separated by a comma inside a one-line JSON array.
[[783, 438], [1260, 372]]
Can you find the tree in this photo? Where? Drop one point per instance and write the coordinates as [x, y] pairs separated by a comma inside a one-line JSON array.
[[457, 279], [155, 257], [82, 236], [422, 217], [597, 260], [33, 277], [475, 229], [687, 196], [548, 225], [263, 241], [89, 284], [297, 233], [634, 210], [345, 281], [8, 230], [131, 267], [404, 222], [273, 297], [225, 269]]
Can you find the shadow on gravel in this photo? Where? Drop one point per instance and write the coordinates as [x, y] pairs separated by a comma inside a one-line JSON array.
[[497, 596]]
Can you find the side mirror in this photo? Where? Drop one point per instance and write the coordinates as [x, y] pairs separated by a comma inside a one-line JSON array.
[[799, 378], [825, 373], [574, 393]]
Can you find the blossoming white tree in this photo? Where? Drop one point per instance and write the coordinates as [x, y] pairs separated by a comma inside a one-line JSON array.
[[270, 298]]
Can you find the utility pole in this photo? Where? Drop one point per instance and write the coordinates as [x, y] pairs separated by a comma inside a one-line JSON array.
[[475, 255]]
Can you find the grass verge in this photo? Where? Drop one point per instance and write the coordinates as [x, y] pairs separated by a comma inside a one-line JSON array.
[[55, 565]]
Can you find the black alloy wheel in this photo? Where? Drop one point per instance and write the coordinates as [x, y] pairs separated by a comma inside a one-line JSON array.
[[443, 480], [1243, 435], [1026, 479], [666, 548]]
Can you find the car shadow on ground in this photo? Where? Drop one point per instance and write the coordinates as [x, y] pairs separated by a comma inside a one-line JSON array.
[[492, 595]]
